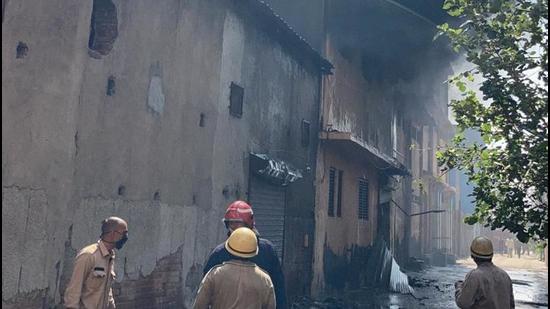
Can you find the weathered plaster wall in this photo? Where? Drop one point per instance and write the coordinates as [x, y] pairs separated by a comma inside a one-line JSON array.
[[75, 152], [39, 95], [278, 94]]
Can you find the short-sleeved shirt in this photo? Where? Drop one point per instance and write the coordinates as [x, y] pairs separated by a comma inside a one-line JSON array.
[[92, 278]]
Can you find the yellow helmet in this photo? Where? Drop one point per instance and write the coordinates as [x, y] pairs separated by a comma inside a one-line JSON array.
[[482, 248], [242, 243]]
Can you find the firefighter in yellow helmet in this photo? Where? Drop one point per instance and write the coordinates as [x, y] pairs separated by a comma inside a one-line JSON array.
[[487, 286], [237, 283]]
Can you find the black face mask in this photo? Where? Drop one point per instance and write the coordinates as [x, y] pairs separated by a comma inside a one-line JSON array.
[[120, 243]]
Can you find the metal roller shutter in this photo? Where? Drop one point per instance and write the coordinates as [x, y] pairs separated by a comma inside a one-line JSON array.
[[268, 203]]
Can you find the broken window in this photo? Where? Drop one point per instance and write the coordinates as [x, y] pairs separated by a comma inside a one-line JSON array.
[[331, 188], [305, 133], [236, 100], [103, 27], [363, 211]]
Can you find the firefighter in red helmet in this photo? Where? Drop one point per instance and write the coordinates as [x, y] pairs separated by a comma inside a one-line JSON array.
[[240, 214]]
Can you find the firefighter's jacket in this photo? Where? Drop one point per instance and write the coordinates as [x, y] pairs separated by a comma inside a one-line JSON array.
[[486, 287]]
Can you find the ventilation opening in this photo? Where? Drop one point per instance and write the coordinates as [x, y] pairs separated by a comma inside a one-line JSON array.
[[122, 190], [331, 189], [201, 120], [111, 86], [363, 211], [21, 50], [103, 27], [236, 100], [339, 195]]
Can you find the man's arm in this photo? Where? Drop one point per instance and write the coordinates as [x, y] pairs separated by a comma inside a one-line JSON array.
[[80, 273], [270, 302], [466, 292], [205, 293], [277, 277], [215, 258]]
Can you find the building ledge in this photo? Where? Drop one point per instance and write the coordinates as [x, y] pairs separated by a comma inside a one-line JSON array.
[[355, 145]]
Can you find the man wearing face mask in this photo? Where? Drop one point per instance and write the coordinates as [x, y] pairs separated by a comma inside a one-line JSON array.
[[240, 214], [93, 274]]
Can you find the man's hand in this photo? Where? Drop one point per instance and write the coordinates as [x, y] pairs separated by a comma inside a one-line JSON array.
[[458, 284]]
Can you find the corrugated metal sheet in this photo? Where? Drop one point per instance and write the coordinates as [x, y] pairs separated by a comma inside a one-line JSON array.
[[268, 202]]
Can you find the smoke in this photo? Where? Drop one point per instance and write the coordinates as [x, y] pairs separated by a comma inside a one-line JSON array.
[[394, 41]]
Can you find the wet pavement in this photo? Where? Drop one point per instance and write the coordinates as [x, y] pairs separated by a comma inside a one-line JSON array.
[[434, 288]]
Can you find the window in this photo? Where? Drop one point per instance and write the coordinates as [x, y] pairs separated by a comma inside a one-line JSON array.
[[305, 132], [236, 100], [339, 196], [363, 211], [334, 192], [111, 86], [331, 185], [103, 26]]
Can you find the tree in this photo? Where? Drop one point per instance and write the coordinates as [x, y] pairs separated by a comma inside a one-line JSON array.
[[507, 42]]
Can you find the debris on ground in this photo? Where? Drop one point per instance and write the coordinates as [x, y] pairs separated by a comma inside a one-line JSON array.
[[328, 303]]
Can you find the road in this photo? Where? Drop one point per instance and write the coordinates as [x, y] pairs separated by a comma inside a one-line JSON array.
[[434, 288]]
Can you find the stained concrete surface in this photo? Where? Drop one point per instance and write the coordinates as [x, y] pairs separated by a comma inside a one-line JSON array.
[[434, 288]]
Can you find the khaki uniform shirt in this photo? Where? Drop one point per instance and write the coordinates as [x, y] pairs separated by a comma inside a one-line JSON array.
[[486, 287], [93, 275], [236, 285]]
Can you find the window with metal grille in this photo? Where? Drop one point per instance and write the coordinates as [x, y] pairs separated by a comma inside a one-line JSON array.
[[363, 211], [339, 195], [331, 185], [236, 100], [305, 132]]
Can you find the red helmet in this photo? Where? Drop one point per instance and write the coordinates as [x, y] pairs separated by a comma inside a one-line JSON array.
[[239, 211]]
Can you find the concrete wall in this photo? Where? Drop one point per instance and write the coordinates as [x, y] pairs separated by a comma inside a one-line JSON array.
[[353, 104], [279, 93], [73, 155]]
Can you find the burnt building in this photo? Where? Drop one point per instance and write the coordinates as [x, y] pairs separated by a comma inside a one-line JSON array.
[[383, 114]]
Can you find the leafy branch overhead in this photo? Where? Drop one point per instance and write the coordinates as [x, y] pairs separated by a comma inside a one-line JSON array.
[[507, 42]]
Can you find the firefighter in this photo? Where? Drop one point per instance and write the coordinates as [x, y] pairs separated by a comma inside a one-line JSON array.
[[240, 214], [487, 286], [237, 283]]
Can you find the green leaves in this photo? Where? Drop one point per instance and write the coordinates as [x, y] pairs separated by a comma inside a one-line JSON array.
[[503, 39]]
